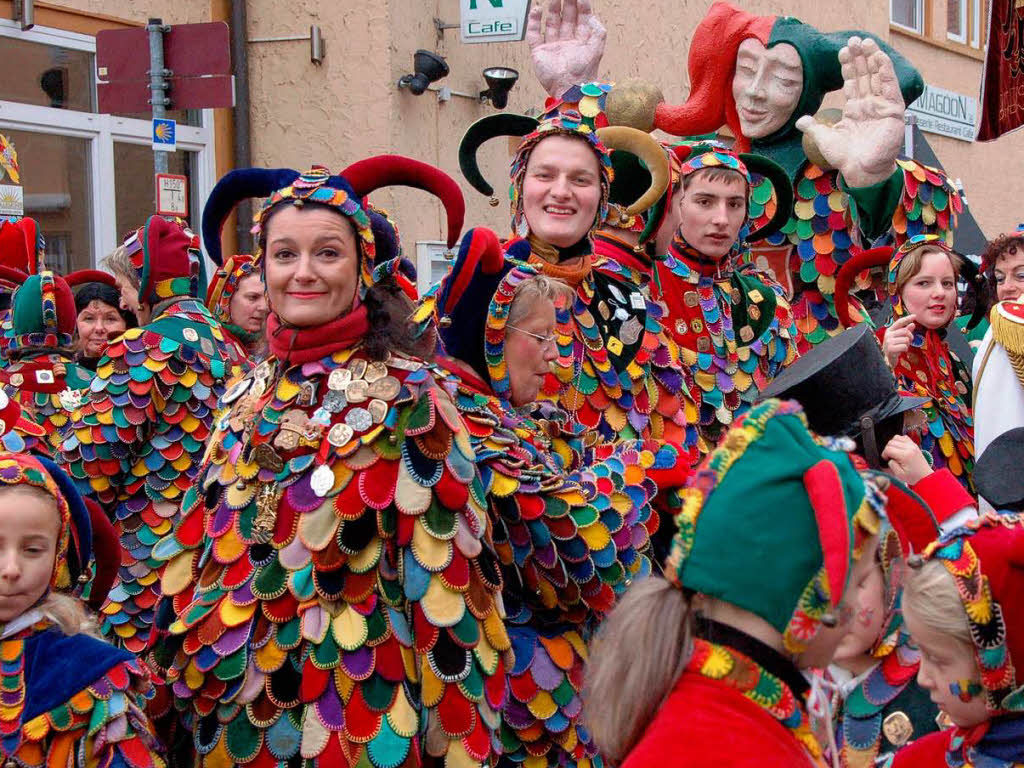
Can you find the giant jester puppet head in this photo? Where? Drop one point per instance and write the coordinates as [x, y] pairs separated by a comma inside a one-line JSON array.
[[756, 74]]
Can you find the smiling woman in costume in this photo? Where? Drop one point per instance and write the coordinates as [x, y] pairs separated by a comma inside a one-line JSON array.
[[570, 514], [100, 317], [136, 443], [921, 281], [329, 596], [616, 372]]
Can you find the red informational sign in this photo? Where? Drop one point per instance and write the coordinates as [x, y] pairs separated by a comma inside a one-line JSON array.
[[172, 195], [197, 55], [184, 93], [1002, 79]]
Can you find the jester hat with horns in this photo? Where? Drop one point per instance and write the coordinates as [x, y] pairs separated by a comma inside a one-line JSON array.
[[344, 192], [603, 141]]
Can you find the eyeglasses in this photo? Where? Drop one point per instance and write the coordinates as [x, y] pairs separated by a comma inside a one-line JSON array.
[[549, 339]]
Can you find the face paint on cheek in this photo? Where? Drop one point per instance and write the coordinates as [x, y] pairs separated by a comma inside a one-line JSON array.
[[865, 616], [965, 690]]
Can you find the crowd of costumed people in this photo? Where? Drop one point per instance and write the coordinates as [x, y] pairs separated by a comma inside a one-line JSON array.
[[687, 466]]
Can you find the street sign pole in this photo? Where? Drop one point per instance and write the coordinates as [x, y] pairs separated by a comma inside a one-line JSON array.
[[157, 82]]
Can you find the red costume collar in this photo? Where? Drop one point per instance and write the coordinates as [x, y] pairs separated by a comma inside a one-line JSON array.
[[296, 346]]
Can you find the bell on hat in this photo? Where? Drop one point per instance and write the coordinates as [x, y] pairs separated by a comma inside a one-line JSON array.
[[997, 472], [846, 389]]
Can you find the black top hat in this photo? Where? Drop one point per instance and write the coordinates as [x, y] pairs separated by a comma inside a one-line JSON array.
[[840, 382], [997, 474]]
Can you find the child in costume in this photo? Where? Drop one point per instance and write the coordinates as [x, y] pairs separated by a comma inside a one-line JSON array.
[[68, 698], [733, 326], [331, 597], [136, 443], [42, 374], [704, 667], [878, 706], [962, 606], [921, 281], [617, 373], [236, 296], [570, 515]]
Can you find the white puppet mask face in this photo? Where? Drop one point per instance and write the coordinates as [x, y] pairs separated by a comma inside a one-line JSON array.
[[766, 86]]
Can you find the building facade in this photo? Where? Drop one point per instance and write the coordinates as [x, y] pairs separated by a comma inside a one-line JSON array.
[[88, 177]]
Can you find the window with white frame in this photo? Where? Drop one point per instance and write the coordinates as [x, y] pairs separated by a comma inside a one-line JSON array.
[[907, 14], [87, 178], [956, 20], [979, 16]]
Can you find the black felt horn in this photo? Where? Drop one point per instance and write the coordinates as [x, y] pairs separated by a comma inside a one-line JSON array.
[[233, 188], [483, 130]]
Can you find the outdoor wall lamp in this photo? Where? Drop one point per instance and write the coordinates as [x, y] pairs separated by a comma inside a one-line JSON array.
[[428, 68], [499, 82]]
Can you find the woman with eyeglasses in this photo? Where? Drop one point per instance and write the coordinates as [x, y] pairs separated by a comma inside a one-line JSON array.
[[570, 514]]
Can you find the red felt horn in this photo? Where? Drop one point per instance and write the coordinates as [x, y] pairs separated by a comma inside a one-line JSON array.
[[83, 276], [11, 275], [856, 264], [373, 173]]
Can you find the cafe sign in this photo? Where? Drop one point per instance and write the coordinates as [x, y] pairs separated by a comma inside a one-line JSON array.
[[946, 113], [492, 21]]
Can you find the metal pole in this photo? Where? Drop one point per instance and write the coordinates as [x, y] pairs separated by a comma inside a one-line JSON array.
[[157, 83], [243, 156]]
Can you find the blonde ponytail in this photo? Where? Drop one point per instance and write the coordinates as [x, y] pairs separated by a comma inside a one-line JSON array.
[[638, 654]]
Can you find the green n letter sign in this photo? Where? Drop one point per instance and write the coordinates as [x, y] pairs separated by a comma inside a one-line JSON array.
[[493, 21]]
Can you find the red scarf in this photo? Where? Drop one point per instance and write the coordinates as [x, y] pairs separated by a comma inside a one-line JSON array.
[[296, 346]]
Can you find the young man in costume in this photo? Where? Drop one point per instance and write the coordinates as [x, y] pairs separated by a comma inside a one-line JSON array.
[[733, 326], [765, 77], [136, 443], [617, 373]]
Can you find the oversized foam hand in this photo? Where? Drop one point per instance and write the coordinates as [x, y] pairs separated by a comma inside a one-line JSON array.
[[568, 50], [864, 144]]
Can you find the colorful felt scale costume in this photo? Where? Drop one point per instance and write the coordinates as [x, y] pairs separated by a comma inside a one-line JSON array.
[[331, 594], [617, 372], [67, 699], [984, 558], [135, 444], [733, 325], [738, 700], [929, 368], [42, 375], [830, 221], [571, 521], [222, 288]]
